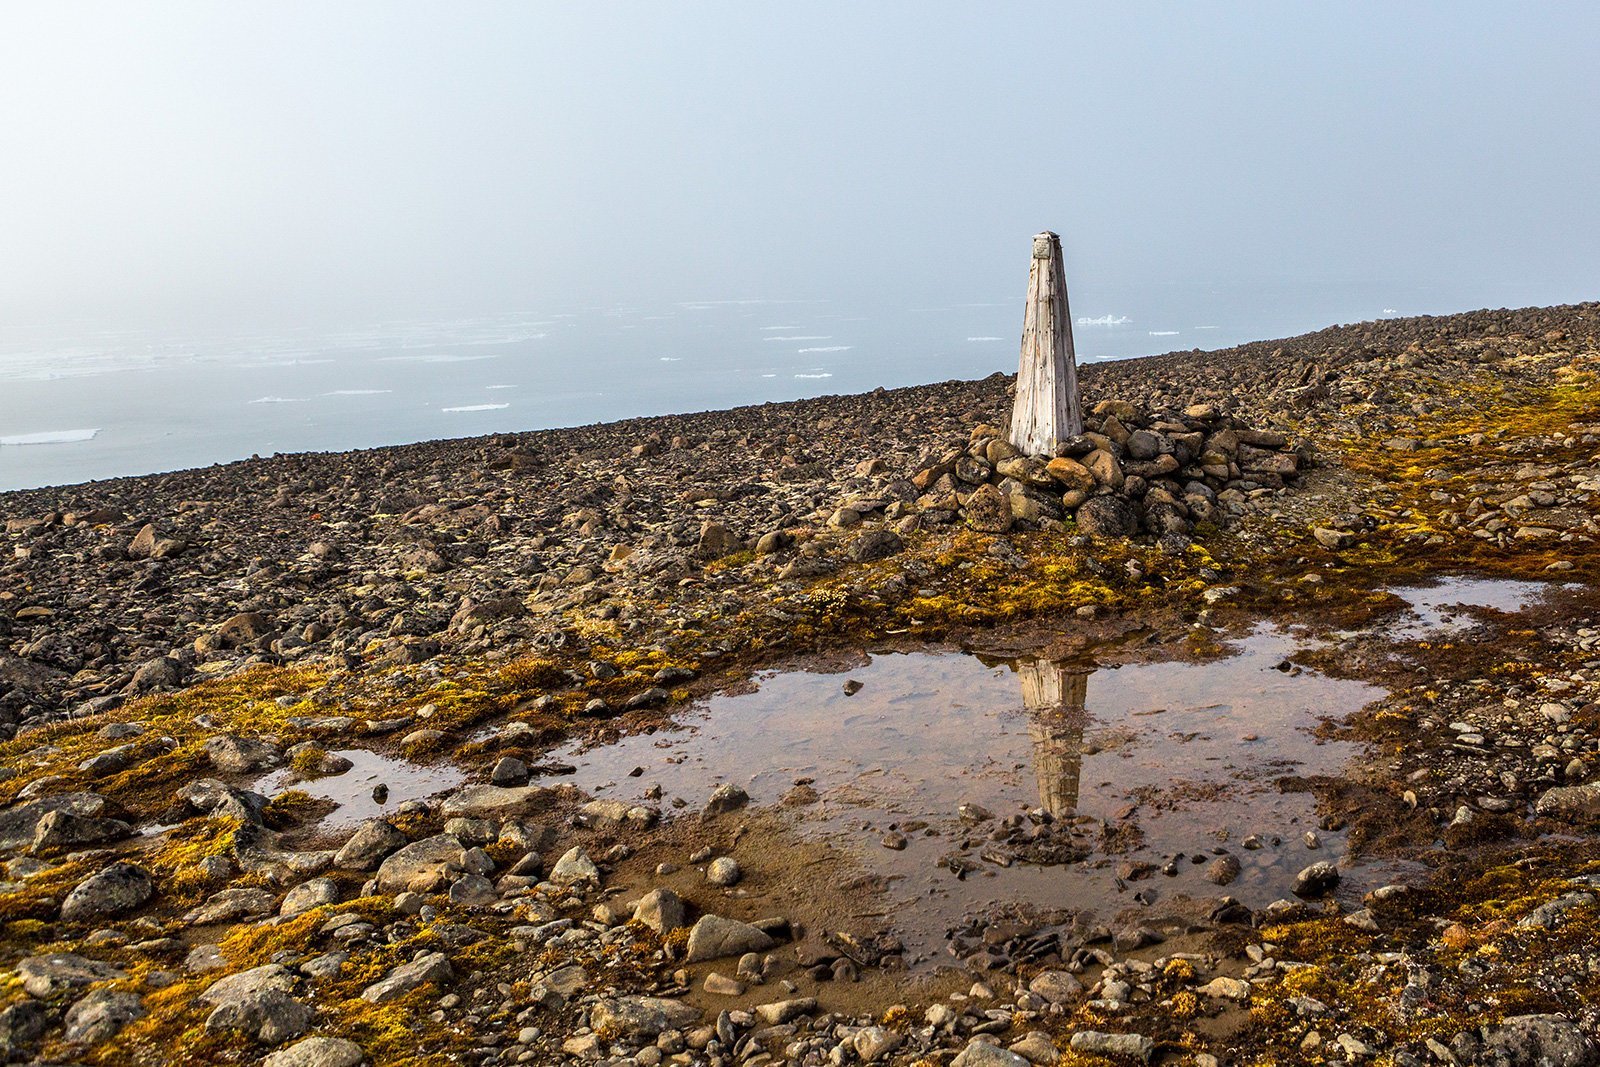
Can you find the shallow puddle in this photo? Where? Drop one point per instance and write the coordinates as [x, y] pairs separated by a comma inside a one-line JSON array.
[[1445, 607], [352, 791], [1181, 759]]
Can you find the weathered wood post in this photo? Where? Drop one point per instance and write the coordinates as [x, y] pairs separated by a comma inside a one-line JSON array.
[[1047, 409], [1055, 699]]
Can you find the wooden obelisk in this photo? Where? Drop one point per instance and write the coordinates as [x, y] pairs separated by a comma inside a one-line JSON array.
[[1047, 409]]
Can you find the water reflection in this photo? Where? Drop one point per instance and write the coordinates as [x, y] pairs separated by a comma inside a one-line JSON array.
[[1055, 695]]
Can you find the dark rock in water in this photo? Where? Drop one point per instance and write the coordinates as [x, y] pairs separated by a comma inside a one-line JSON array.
[[1316, 880], [1107, 516], [726, 798]]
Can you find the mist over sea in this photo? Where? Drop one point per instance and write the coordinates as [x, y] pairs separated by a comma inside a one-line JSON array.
[[75, 408]]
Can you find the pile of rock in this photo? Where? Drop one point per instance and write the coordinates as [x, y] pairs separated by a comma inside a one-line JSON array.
[[1129, 471]]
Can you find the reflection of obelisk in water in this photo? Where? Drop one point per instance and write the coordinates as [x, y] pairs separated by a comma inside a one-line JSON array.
[[1055, 699]]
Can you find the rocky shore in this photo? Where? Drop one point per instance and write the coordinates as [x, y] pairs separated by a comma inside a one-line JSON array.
[[188, 660]]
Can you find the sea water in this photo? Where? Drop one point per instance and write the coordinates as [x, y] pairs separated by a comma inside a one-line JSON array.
[[75, 407]]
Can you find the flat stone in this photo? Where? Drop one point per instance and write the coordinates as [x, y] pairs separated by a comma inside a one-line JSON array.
[[498, 799], [640, 1018], [1095, 1043], [43, 976], [432, 967]]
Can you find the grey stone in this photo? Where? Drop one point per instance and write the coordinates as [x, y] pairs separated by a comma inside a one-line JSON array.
[[101, 1013], [117, 889], [317, 1052], [367, 847], [984, 1054], [43, 976], [236, 754], [307, 895], [432, 967], [422, 866], [1095, 1043], [714, 937], [640, 1018], [575, 867], [661, 910]]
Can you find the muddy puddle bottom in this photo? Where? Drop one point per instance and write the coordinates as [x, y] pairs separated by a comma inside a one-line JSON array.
[[353, 791], [1148, 773]]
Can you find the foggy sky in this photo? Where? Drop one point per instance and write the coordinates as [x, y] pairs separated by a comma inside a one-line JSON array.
[[192, 164]]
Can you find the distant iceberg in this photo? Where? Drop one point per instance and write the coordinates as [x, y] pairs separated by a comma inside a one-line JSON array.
[[50, 437], [827, 348], [1104, 320], [986, 338], [1163, 333], [476, 407], [824, 374]]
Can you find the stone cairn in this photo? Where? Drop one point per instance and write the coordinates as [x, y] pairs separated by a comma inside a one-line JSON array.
[[1117, 473]]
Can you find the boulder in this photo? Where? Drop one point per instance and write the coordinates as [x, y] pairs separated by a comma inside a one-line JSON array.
[[307, 895], [116, 890], [429, 968], [640, 1018], [715, 937], [575, 868], [101, 1014], [422, 866], [44, 976], [317, 1052], [369, 845], [497, 799], [20, 822], [1107, 517], [661, 910], [1095, 1043]]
